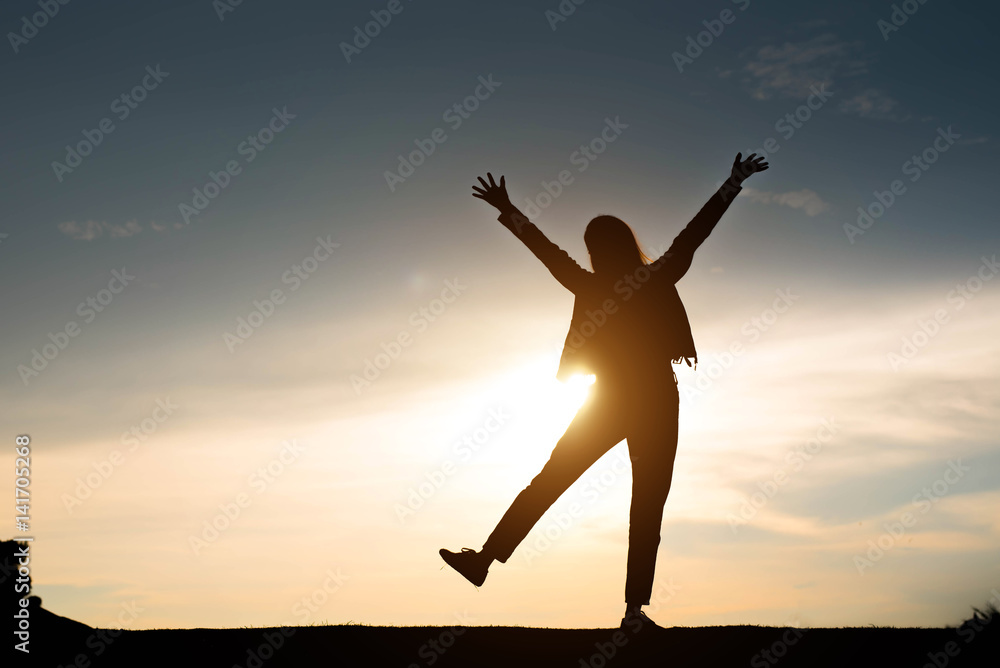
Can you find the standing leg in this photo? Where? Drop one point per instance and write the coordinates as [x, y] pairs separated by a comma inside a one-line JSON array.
[[652, 444], [597, 427]]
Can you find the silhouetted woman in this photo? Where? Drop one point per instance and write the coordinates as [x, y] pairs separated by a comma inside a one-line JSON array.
[[628, 326]]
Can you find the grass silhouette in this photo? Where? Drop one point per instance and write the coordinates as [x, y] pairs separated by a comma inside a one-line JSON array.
[[973, 643], [58, 641]]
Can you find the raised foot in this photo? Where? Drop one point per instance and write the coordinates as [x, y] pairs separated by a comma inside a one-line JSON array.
[[471, 564]]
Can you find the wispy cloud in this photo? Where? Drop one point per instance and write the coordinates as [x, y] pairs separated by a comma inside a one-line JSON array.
[[126, 230], [93, 229], [793, 68], [873, 103], [804, 199]]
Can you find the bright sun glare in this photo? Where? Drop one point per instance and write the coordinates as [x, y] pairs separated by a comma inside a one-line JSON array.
[[543, 406]]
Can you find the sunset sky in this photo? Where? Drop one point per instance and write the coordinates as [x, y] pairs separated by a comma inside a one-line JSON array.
[[863, 388]]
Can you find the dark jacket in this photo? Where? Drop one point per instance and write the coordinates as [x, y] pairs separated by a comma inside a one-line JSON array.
[[626, 324]]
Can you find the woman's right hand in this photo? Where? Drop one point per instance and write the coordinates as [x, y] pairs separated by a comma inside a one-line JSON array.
[[493, 194]]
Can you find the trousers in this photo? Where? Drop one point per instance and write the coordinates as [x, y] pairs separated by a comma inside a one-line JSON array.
[[642, 411]]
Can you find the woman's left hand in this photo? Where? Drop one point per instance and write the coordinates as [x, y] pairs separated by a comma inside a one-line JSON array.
[[742, 169]]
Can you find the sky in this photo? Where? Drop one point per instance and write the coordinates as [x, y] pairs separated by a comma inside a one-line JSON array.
[[272, 356]]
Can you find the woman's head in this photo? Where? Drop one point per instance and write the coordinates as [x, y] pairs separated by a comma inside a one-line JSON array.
[[612, 246]]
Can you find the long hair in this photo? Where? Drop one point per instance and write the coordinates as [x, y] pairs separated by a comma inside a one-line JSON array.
[[613, 246]]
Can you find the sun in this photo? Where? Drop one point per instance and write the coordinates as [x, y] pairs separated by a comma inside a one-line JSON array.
[[542, 405], [535, 384]]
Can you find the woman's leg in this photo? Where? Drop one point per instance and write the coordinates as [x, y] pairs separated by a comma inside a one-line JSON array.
[[596, 429], [652, 445]]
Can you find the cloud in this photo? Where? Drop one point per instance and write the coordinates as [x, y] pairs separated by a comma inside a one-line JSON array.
[[791, 69], [87, 231], [795, 69], [804, 199], [872, 103], [92, 229], [126, 230]]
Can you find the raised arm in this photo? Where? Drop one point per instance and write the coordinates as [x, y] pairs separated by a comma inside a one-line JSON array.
[[565, 270], [677, 260]]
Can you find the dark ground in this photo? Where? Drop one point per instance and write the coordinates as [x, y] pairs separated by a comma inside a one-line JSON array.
[[976, 643]]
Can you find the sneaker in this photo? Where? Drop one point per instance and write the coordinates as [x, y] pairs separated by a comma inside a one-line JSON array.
[[637, 621], [471, 564]]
